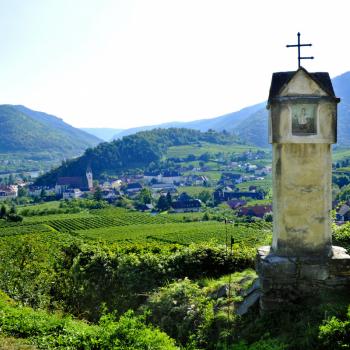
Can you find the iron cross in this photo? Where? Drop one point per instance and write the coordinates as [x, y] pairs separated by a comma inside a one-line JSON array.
[[298, 46]]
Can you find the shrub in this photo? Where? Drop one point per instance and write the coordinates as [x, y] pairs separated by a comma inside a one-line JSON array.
[[182, 310], [335, 333], [264, 344], [51, 331]]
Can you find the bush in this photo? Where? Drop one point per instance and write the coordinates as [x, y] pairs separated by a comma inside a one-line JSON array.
[[335, 333], [182, 310], [341, 235], [264, 344], [51, 331], [14, 217], [123, 278]]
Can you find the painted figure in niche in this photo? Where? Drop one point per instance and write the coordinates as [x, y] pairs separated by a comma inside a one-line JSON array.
[[304, 121]]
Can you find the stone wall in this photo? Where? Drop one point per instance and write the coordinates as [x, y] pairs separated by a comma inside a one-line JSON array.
[[285, 281]]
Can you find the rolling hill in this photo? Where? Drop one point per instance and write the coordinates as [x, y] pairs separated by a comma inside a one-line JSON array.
[[133, 151], [25, 130]]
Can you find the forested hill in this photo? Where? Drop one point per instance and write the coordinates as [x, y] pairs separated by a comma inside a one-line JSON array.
[[133, 151], [25, 130]]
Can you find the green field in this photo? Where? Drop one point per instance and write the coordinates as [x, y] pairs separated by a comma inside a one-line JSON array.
[[204, 147], [265, 184], [194, 190]]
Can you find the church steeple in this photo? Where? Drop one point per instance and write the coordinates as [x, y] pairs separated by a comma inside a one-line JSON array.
[[89, 178]]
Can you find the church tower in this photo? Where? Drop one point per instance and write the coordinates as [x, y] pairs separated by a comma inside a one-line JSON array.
[[89, 178]]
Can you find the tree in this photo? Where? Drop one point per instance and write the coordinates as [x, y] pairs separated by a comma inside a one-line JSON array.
[[3, 212], [145, 196], [169, 199], [13, 210], [22, 192], [98, 194], [205, 157], [163, 204], [204, 196], [11, 179]]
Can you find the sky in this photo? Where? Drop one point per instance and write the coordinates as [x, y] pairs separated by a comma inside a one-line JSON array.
[[127, 63]]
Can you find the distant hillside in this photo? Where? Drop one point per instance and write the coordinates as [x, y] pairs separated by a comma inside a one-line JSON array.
[[254, 128], [25, 130], [341, 85], [225, 122], [133, 151], [105, 134], [250, 123]]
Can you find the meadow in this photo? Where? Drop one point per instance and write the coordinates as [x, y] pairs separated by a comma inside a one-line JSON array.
[[205, 147]]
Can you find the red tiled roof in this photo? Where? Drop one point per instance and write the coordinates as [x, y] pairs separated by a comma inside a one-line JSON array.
[[256, 210]]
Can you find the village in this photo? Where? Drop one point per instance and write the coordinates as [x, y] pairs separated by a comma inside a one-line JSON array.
[[188, 188], [241, 183]]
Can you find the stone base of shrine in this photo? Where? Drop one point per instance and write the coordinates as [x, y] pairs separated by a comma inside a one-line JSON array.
[[287, 281]]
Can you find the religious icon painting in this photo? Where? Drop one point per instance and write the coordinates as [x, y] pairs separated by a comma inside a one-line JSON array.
[[304, 119]]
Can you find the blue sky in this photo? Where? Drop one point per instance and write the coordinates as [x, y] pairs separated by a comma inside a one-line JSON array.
[[112, 63]]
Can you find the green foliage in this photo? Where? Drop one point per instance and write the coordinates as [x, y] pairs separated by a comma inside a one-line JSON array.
[[51, 331], [121, 279], [341, 235], [204, 196], [182, 310], [14, 217], [264, 344], [3, 211], [163, 203], [335, 334], [145, 196], [26, 270], [98, 194], [344, 194]]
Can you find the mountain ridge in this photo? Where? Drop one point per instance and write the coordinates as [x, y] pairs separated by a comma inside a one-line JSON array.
[[250, 123], [25, 130]]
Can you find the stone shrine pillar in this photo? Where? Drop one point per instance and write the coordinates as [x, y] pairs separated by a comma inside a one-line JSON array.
[[302, 128]]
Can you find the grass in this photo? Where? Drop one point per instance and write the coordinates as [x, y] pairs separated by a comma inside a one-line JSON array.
[[43, 206], [194, 191], [265, 184], [204, 147], [243, 278]]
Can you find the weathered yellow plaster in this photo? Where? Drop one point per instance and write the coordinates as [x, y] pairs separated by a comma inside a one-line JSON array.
[[302, 169], [302, 199]]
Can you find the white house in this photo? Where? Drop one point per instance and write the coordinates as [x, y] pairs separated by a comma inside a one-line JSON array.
[[72, 193], [8, 192]]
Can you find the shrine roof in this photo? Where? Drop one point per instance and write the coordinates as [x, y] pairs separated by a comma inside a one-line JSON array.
[[281, 79]]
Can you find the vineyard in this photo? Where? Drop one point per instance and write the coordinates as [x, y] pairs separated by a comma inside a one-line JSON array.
[[121, 225], [182, 233], [24, 229]]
